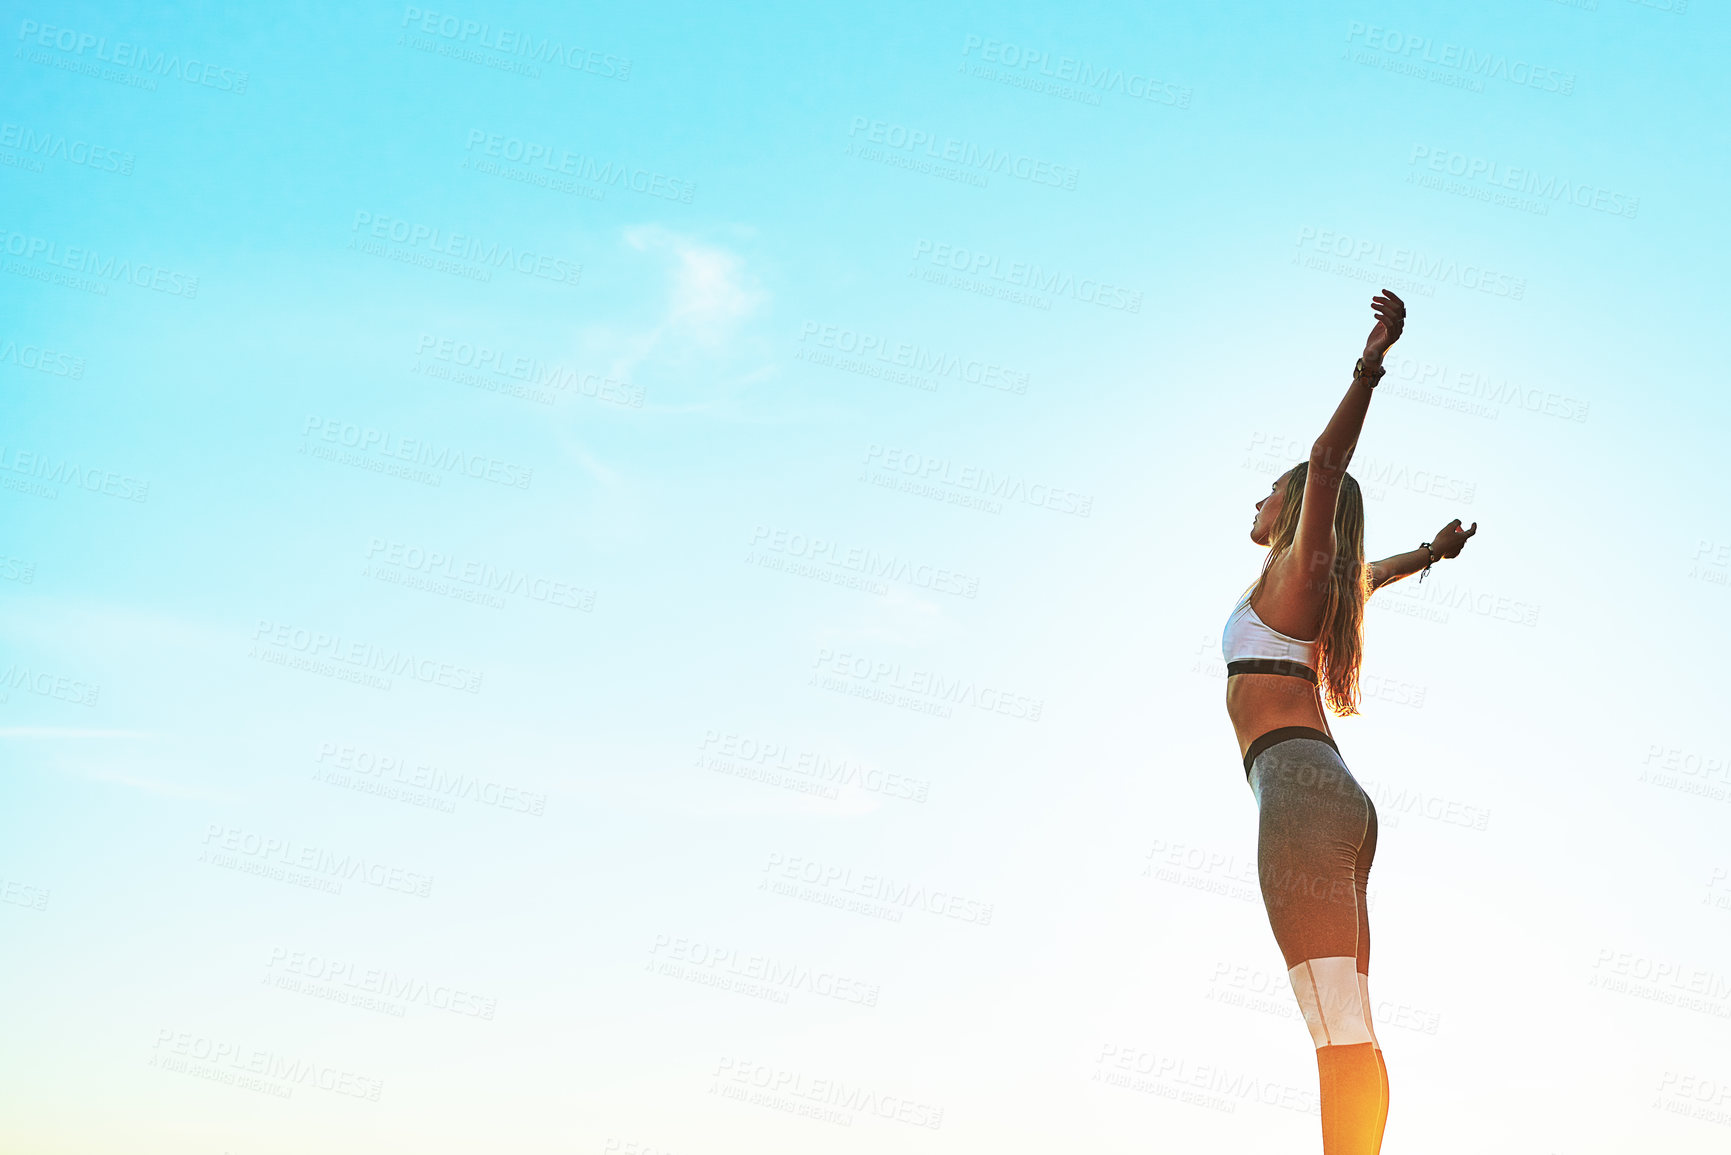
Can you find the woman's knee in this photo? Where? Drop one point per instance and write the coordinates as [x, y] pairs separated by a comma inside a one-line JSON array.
[[1334, 998]]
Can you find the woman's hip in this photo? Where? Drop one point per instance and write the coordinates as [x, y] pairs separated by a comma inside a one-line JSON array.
[[1296, 763]]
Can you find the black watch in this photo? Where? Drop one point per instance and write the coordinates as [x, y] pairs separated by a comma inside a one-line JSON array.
[[1358, 372]]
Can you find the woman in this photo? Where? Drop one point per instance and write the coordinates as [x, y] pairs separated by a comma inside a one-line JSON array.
[[1316, 832]]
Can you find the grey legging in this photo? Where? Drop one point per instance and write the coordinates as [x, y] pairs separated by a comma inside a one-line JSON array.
[[1316, 836]]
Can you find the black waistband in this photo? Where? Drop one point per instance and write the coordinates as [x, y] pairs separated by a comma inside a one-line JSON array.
[[1273, 736], [1271, 666]]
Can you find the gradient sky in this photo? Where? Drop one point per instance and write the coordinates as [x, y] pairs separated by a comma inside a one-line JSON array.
[[443, 709]]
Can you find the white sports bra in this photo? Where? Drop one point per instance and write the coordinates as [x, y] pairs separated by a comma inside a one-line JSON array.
[[1252, 647]]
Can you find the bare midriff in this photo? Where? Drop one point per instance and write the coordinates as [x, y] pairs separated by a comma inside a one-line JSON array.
[[1258, 703]]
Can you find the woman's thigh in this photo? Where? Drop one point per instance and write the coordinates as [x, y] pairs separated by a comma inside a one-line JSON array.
[[1316, 837]]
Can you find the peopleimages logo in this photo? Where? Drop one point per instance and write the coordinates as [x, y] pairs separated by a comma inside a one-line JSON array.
[[58, 146], [920, 359], [348, 977], [90, 262], [1072, 70], [969, 263], [46, 684], [1410, 48], [315, 860], [933, 146], [509, 42], [275, 641], [561, 161], [891, 676], [43, 360], [1425, 270], [1523, 180], [255, 1068], [464, 247], [947, 472], [831, 1100], [529, 370], [418, 451], [478, 575], [65, 471], [865, 561], [123, 54]]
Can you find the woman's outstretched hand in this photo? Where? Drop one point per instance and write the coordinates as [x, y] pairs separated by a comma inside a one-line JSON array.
[[1451, 538], [1390, 320]]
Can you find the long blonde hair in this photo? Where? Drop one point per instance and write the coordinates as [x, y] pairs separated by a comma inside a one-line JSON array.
[[1340, 646]]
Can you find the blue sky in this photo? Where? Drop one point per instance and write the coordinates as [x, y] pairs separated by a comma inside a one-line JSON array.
[[710, 531]]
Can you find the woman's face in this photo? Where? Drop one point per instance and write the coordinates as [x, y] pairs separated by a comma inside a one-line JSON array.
[[1268, 510]]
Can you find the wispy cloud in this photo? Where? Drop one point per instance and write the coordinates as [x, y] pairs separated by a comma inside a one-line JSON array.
[[710, 295], [708, 298], [699, 339]]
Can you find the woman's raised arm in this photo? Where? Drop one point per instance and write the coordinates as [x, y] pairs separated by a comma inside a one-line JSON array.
[[1314, 543]]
